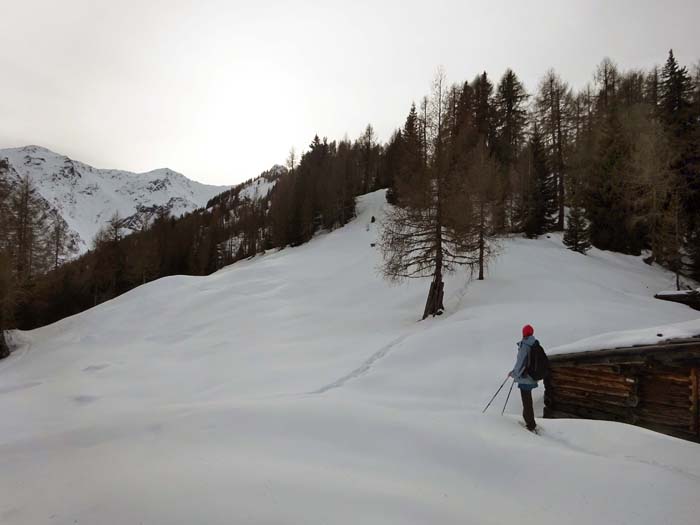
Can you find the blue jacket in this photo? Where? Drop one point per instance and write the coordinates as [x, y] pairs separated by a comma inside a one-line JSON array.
[[524, 347]]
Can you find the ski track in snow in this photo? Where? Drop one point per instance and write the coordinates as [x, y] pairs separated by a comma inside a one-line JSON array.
[[364, 368]]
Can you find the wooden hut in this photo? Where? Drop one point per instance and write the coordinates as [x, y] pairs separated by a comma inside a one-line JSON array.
[[653, 386], [689, 298]]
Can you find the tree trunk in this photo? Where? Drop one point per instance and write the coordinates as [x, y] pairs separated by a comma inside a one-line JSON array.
[[482, 225], [560, 167], [433, 305], [4, 348]]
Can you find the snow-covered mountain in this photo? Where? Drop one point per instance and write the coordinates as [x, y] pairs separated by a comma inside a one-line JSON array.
[[87, 197], [297, 387]]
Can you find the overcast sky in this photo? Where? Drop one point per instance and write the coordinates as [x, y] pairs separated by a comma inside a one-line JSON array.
[[220, 90]]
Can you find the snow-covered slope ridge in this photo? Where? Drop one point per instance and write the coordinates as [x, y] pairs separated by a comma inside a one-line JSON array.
[[87, 197], [298, 387]]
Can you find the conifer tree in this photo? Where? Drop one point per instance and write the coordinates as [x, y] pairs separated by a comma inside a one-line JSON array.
[[540, 200], [675, 95], [682, 119], [576, 234], [510, 115], [369, 158], [605, 195], [510, 119], [410, 165], [551, 110], [484, 118], [389, 167]]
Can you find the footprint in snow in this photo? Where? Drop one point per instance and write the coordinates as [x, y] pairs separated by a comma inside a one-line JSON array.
[[85, 400], [95, 368]]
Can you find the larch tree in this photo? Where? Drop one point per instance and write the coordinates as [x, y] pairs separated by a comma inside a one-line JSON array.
[[28, 230], [431, 231], [109, 263], [551, 113], [6, 273], [484, 201], [60, 246], [652, 187]]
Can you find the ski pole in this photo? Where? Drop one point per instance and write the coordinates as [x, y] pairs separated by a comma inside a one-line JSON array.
[[494, 396], [507, 398]]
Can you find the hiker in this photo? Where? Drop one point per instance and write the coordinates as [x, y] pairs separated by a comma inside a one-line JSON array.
[[525, 383]]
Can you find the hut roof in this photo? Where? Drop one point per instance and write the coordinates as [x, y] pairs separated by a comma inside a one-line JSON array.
[[655, 337]]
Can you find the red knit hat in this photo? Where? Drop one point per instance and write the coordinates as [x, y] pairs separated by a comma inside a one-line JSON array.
[[528, 330]]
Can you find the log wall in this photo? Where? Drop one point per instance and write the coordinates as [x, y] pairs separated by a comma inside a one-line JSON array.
[[654, 386]]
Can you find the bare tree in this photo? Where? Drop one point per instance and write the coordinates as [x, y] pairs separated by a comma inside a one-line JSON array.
[[6, 274], [652, 190], [28, 225], [59, 244], [7, 294], [432, 229]]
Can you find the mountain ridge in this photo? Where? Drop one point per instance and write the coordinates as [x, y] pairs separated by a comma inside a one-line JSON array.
[[87, 197]]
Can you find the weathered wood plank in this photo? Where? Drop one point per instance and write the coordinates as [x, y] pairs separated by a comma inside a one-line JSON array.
[[592, 375], [593, 398], [622, 391], [654, 386], [608, 413]]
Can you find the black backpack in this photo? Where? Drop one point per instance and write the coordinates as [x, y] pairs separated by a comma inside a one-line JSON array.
[[537, 366]]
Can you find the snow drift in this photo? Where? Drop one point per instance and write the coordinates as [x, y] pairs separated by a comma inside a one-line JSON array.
[[298, 387]]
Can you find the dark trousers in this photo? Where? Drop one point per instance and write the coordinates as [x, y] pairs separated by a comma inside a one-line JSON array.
[[528, 410]]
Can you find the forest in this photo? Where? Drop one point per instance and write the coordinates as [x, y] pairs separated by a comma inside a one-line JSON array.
[[614, 165]]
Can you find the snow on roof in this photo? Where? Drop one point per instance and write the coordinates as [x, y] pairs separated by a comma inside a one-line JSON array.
[[628, 338], [677, 292]]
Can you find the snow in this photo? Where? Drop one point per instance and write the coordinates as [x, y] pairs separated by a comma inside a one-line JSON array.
[[87, 197], [298, 387], [628, 338], [676, 292], [258, 189]]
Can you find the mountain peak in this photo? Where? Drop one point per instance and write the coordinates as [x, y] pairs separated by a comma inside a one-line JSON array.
[[86, 197]]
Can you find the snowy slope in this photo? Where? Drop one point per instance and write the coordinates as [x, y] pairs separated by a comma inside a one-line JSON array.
[[261, 186], [298, 387], [87, 197]]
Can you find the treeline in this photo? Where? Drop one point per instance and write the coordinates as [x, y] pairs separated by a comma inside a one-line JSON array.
[[34, 240], [615, 165], [314, 192]]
